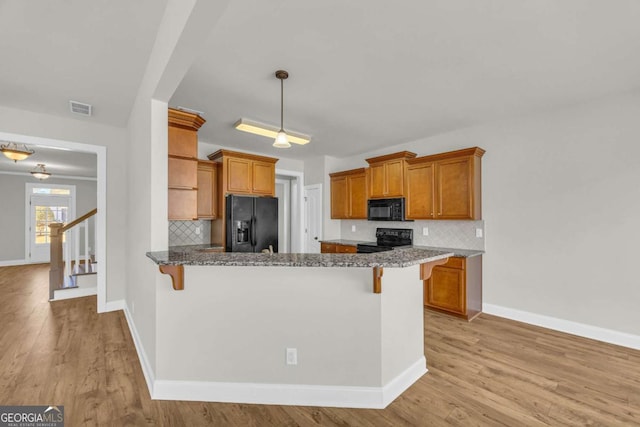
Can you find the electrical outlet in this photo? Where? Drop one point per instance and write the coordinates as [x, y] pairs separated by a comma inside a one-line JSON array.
[[478, 232], [425, 231], [353, 228], [197, 230], [292, 356]]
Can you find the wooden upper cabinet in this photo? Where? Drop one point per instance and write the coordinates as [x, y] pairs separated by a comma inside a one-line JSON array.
[[264, 178], [386, 175], [207, 189], [419, 191], [244, 173], [183, 164], [349, 194], [445, 186]]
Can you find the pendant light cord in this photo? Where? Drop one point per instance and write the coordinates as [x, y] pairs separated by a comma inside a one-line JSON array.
[[281, 104]]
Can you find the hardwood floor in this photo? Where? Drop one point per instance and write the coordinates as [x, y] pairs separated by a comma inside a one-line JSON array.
[[489, 372]]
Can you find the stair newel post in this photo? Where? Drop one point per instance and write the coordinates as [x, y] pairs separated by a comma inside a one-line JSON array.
[[56, 272]]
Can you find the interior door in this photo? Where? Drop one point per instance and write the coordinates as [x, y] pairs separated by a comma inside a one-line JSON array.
[[44, 211], [313, 218]]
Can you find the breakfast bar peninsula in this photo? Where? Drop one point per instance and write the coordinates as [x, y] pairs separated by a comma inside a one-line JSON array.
[[302, 329]]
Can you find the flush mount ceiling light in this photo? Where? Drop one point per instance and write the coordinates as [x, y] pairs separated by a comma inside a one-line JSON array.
[[282, 138], [13, 152], [40, 172]]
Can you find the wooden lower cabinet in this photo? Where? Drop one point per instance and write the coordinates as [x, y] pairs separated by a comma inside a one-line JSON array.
[[456, 287], [336, 248]]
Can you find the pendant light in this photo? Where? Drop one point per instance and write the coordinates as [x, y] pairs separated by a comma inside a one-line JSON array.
[[282, 140], [11, 151], [40, 172]]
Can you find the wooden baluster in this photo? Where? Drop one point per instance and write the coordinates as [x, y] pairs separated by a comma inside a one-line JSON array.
[[87, 264], [56, 272]]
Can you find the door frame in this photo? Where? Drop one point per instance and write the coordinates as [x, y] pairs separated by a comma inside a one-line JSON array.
[[29, 186], [319, 216], [297, 209], [101, 200]]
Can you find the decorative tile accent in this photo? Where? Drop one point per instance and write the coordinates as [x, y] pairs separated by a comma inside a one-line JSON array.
[[184, 232], [443, 234]]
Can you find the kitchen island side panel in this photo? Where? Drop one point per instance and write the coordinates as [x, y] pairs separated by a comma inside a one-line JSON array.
[[233, 324]]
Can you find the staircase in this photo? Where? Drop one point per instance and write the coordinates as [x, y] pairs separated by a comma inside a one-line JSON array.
[[70, 275]]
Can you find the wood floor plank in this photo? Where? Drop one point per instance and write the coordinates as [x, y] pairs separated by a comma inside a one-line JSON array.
[[488, 372]]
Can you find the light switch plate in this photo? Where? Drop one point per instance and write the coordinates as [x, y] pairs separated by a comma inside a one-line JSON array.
[[353, 228], [425, 231]]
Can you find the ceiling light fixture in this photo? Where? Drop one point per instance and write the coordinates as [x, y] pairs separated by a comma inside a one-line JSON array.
[[282, 141], [11, 151], [282, 138], [40, 172], [269, 131]]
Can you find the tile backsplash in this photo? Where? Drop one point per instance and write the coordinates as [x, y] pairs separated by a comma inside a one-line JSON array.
[[186, 232], [445, 234]]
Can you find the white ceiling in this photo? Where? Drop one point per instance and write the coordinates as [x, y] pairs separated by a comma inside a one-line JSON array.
[[58, 162], [366, 74], [363, 74]]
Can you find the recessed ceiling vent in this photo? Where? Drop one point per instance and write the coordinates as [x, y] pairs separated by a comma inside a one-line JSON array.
[[80, 108]]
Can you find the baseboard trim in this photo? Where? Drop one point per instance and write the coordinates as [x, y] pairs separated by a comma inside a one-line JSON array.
[[114, 306], [291, 394], [60, 295], [14, 262], [149, 376], [580, 329]]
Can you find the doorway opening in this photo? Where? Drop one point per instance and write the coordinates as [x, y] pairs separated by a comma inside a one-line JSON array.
[[45, 204], [289, 191], [313, 217]]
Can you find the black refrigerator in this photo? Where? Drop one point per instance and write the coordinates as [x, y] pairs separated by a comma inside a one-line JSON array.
[[252, 223]]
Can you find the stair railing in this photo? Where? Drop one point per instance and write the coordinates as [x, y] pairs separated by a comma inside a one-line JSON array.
[[60, 250]]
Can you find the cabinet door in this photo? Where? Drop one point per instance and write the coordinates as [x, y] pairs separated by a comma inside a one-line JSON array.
[[238, 175], [419, 193], [377, 181], [183, 173], [339, 198], [263, 178], [357, 189], [183, 142], [394, 171], [445, 290], [453, 178], [183, 204], [207, 183]]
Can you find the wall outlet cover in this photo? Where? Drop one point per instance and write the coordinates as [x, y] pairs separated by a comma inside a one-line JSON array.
[[292, 356], [425, 231], [353, 228], [478, 232]]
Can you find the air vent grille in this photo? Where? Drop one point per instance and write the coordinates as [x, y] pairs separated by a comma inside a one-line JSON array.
[[80, 108]]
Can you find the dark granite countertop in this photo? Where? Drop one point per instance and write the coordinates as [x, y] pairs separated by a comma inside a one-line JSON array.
[[346, 242], [190, 255], [462, 253]]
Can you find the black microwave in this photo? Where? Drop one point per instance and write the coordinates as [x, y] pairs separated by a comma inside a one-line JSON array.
[[385, 209]]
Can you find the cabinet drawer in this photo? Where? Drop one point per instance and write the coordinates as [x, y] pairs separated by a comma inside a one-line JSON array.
[[346, 249], [328, 248]]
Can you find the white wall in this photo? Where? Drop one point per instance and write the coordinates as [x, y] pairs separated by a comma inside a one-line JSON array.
[[86, 132], [561, 198]]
